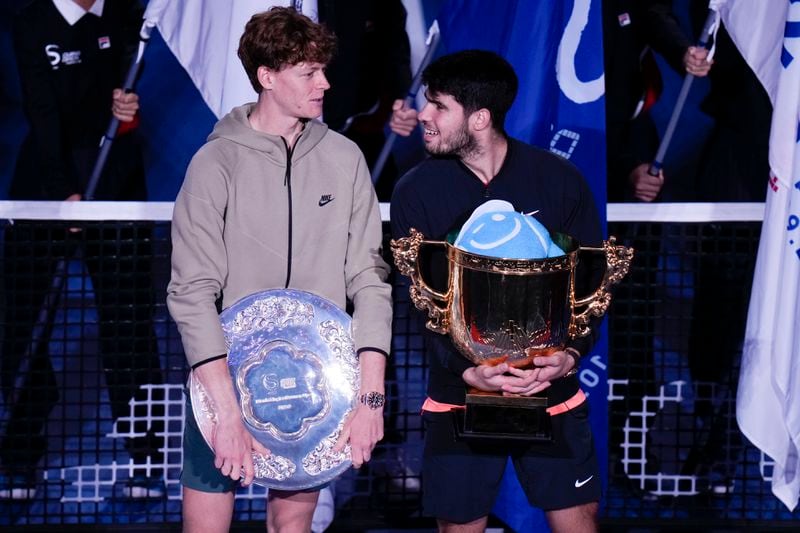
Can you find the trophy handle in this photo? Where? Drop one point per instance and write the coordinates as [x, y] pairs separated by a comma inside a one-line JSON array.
[[406, 258], [618, 262]]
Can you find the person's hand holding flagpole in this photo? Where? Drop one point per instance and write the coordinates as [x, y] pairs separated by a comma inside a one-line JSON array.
[[431, 42], [693, 67]]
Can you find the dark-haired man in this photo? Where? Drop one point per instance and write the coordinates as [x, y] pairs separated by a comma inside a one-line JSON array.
[[249, 218], [469, 94]]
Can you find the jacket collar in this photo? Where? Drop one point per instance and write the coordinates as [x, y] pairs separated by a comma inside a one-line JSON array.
[[72, 12]]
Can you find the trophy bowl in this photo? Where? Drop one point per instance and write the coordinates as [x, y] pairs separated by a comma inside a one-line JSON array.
[[295, 373], [509, 310]]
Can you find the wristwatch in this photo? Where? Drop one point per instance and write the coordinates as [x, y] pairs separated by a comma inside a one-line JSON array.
[[373, 399], [576, 357]]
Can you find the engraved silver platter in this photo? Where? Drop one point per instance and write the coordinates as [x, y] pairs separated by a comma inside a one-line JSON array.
[[293, 364]]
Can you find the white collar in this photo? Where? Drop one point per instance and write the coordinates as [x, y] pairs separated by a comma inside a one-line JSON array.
[[72, 12]]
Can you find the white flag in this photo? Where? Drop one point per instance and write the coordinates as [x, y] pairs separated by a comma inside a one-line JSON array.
[[768, 399], [204, 36]]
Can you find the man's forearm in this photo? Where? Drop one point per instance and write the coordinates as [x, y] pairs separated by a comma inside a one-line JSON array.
[[217, 383], [373, 368]]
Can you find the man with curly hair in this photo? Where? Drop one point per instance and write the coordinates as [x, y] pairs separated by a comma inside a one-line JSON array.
[[274, 200]]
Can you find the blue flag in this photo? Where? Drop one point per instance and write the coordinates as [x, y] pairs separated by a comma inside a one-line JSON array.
[[556, 49]]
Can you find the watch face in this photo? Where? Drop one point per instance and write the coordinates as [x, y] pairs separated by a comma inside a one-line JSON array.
[[373, 400]]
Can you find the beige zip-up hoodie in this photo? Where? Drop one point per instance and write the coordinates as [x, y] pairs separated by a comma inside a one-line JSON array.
[[252, 215]]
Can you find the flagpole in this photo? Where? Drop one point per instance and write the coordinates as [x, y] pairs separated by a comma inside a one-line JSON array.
[[111, 131], [431, 42], [658, 162]]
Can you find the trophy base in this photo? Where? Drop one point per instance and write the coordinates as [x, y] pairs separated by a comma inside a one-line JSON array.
[[491, 416]]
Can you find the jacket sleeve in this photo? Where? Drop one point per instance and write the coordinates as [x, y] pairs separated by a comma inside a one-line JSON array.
[[366, 271], [664, 32], [407, 211], [395, 48], [199, 264]]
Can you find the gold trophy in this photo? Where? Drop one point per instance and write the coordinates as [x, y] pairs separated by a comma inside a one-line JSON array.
[[509, 310]]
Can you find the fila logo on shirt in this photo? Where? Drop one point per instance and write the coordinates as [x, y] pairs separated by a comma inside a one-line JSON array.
[[58, 58]]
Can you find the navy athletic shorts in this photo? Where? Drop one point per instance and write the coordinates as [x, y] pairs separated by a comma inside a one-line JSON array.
[[462, 480]]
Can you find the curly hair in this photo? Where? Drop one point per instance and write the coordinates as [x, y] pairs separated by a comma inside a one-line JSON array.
[[283, 37]]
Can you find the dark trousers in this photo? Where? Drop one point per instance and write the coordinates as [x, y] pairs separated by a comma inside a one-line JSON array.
[[117, 258], [719, 317], [633, 326]]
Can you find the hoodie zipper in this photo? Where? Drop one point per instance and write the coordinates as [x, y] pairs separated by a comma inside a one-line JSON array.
[[287, 182]]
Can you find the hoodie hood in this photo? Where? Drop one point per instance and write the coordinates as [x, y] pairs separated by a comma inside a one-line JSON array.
[[236, 128]]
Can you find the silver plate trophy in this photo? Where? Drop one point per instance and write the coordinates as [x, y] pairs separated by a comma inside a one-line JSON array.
[[294, 367]]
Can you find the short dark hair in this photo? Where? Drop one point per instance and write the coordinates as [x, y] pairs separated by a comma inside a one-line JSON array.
[[476, 79], [283, 37]]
